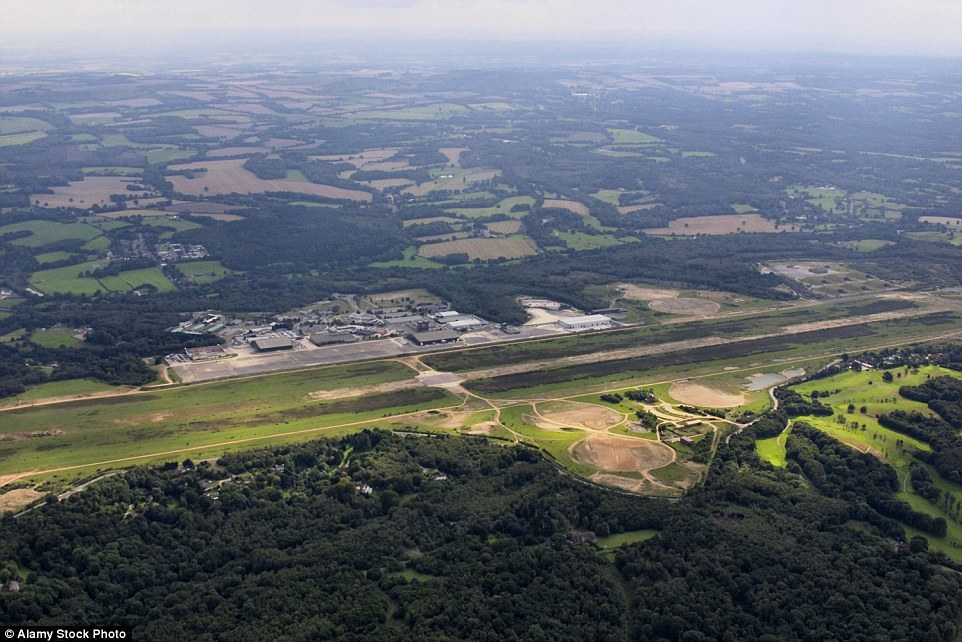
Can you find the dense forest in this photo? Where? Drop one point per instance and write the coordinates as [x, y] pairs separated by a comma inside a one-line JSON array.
[[386, 537]]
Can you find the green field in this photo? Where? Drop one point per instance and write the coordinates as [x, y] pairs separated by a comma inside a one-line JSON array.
[[112, 170], [628, 537], [438, 111], [773, 350], [160, 156], [583, 241], [89, 431], [47, 232], [867, 389], [632, 137], [772, 450], [203, 271], [21, 124], [68, 279], [503, 207], [411, 259], [68, 388], [9, 140], [132, 279], [55, 337], [53, 257]]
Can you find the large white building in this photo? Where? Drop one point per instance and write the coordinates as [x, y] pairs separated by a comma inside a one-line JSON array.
[[585, 322]]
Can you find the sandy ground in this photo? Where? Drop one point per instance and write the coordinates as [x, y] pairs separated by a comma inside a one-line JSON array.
[[698, 395], [683, 305], [93, 190], [572, 206], [587, 416], [800, 271], [18, 498], [228, 176], [942, 220], [725, 224], [636, 293], [541, 317], [453, 154], [390, 386], [616, 454]]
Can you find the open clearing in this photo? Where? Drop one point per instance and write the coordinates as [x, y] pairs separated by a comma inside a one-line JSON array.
[[572, 206], [616, 454], [92, 190], [360, 158], [484, 249], [18, 498], [453, 154], [585, 415], [716, 225], [390, 386], [699, 395], [950, 221], [637, 293], [229, 176], [458, 181], [504, 227], [684, 305]]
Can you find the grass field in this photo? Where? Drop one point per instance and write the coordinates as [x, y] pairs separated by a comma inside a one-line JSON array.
[[67, 388], [411, 259], [629, 537], [775, 349], [132, 279], [862, 431], [52, 257], [88, 431], [583, 241], [9, 140], [203, 271], [47, 232], [68, 279], [632, 137], [55, 337], [503, 207], [20, 124]]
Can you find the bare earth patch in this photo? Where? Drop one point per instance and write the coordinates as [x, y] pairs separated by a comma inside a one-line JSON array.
[[616, 454], [229, 176], [453, 154], [572, 206], [942, 220], [390, 386], [587, 416], [480, 248], [698, 395], [637, 293], [685, 306], [725, 224], [18, 498]]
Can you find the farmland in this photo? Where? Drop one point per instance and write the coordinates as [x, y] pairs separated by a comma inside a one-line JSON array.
[[480, 248], [229, 176], [723, 224], [91, 191]]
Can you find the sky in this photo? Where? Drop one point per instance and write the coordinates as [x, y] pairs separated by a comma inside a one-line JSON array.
[[901, 27]]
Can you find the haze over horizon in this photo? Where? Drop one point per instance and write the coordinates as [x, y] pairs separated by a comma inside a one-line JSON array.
[[881, 27]]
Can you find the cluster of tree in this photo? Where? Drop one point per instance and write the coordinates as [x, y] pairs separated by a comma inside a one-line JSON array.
[[486, 551], [838, 471], [943, 395], [795, 405], [946, 453]]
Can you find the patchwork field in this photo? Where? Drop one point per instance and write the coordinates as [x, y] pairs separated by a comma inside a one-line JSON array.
[[481, 248], [457, 180], [716, 225], [229, 176]]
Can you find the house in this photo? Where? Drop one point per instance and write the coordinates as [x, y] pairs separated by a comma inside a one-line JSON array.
[[13, 586], [585, 322]]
